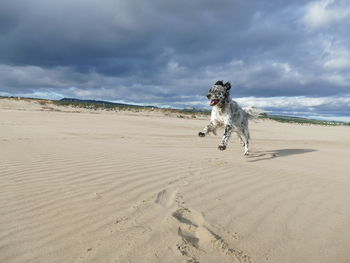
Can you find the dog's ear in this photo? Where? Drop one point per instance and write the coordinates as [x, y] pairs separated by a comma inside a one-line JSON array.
[[227, 85], [219, 82]]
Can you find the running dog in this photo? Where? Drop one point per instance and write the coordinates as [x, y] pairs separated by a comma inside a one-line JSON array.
[[227, 113]]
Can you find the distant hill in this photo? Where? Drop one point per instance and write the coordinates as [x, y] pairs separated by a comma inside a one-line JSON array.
[[70, 101]]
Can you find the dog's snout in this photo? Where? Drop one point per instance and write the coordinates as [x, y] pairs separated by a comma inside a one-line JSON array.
[[209, 96]]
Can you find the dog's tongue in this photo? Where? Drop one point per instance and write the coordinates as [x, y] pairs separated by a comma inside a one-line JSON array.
[[214, 102]]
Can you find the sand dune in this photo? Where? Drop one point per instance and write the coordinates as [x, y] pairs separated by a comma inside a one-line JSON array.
[[142, 187]]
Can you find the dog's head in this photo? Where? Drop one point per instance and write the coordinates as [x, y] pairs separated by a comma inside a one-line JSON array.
[[219, 93]]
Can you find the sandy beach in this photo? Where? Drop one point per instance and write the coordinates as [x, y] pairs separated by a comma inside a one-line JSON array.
[[98, 186]]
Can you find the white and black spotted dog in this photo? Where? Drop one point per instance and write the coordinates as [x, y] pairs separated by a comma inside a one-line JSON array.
[[227, 113]]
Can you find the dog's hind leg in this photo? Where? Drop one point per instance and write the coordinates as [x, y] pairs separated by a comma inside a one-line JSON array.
[[240, 139], [246, 148], [246, 138]]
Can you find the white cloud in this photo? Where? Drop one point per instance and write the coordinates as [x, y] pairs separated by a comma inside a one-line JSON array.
[[22, 76], [321, 14], [292, 102], [339, 59]]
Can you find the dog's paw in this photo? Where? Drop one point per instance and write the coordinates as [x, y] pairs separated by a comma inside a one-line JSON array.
[[201, 134], [222, 147]]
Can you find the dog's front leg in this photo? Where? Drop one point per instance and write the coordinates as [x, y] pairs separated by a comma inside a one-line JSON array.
[[226, 137], [211, 127]]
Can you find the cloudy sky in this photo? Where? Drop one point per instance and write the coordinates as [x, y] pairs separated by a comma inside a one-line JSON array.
[[284, 56]]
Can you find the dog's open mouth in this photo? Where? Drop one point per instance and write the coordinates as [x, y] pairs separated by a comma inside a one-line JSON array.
[[213, 102]]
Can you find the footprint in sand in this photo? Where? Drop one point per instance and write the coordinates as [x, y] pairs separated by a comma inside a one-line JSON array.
[[166, 198], [197, 235]]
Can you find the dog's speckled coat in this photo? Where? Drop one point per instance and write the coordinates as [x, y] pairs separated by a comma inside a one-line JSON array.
[[227, 113]]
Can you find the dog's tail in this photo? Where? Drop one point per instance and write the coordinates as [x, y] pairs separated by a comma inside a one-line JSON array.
[[254, 113]]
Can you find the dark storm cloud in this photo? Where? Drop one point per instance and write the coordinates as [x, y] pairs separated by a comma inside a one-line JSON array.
[[170, 52], [92, 33]]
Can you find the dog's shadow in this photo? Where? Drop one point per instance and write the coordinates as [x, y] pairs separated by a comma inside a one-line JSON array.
[[268, 155]]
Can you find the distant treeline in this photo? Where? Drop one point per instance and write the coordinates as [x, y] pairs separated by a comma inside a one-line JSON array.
[[96, 104], [305, 120]]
